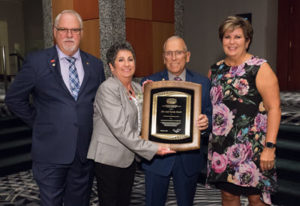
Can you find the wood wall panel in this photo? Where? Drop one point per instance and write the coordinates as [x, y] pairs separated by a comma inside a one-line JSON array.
[[88, 9], [160, 31], [60, 5], [139, 9], [282, 44], [295, 55], [91, 38], [163, 10], [288, 45], [148, 24], [139, 34]]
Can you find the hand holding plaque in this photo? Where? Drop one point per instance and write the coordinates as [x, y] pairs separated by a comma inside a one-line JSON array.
[[170, 113]]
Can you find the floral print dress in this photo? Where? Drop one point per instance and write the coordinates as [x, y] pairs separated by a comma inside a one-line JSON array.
[[239, 129]]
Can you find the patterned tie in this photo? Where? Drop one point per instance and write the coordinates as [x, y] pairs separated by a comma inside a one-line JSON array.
[[73, 77], [177, 79]]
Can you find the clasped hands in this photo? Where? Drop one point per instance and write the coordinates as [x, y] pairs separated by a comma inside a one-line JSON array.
[[163, 150], [202, 124]]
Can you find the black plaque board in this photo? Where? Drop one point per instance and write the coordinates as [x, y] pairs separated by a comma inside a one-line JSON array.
[[170, 110]]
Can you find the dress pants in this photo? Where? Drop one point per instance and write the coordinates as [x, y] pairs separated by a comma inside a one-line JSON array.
[[157, 186], [114, 184], [64, 184]]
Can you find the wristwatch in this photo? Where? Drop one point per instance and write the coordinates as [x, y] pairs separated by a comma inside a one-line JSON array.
[[270, 145]]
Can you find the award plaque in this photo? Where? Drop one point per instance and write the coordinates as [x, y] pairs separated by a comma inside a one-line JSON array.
[[170, 112]]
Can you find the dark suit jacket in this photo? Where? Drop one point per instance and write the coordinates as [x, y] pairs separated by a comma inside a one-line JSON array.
[[61, 125], [192, 161]]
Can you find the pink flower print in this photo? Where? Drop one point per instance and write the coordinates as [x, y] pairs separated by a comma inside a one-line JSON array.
[[247, 175], [255, 61], [237, 71], [228, 75], [266, 196], [227, 92], [267, 182], [262, 139], [219, 162], [242, 134], [222, 119], [242, 86], [239, 136], [260, 122], [229, 81], [209, 154], [239, 153], [216, 94]]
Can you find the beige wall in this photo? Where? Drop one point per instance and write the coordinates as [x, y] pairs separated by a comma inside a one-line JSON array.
[[202, 19]]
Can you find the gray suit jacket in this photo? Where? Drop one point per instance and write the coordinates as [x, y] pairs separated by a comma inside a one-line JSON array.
[[115, 138]]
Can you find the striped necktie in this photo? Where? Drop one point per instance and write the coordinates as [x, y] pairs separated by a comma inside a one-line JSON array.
[[73, 77]]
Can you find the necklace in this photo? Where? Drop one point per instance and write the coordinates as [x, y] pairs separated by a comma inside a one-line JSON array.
[[131, 92]]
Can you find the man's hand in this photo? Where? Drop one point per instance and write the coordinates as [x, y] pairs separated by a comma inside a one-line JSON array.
[[202, 122]]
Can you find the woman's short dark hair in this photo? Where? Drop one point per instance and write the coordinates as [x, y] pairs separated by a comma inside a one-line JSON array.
[[112, 52], [233, 22]]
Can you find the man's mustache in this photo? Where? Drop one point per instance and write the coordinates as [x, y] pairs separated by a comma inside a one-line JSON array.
[[68, 40]]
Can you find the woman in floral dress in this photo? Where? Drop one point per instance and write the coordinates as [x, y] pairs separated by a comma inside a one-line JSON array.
[[246, 119]]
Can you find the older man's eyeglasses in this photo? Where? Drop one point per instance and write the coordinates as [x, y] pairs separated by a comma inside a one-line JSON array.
[[170, 54], [65, 30]]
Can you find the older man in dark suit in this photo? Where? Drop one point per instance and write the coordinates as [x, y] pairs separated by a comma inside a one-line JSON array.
[[184, 167], [63, 81]]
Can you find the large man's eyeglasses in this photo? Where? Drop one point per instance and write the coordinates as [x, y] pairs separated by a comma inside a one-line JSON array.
[[178, 53], [65, 30]]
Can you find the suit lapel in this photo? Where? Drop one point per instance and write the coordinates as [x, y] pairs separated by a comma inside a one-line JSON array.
[[165, 75], [125, 95], [53, 63], [87, 71], [54, 67], [188, 76]]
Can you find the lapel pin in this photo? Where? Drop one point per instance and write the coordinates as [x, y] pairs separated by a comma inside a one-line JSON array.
[[53, 62], [87, 63]]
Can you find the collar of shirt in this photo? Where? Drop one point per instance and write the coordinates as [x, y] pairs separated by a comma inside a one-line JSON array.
[[64, 66], [62, 56], [182, 75]]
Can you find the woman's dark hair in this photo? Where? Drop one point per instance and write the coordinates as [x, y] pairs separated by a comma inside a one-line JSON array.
[[112, 52], [233, 22]]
